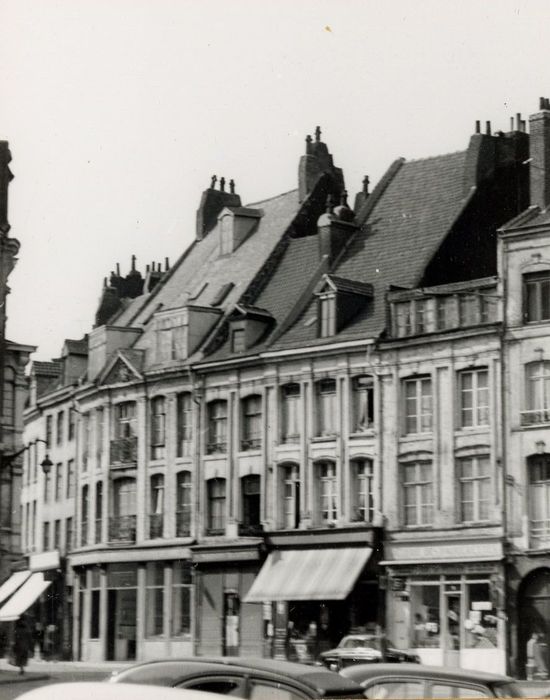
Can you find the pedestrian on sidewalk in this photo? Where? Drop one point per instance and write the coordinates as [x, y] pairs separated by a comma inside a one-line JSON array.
[[22, 644]]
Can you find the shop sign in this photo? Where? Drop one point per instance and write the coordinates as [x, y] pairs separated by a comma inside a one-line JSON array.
[[398, 584]]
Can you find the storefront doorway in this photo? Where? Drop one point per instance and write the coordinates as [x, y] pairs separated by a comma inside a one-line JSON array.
[[452, 614], [121, 612], [534, 615]]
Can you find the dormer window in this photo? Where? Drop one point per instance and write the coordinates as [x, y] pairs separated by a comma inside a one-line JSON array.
[[339, 301], [238, 340], [248, 325], [536, 296], [171, 337], [235, 226], [327, 315]]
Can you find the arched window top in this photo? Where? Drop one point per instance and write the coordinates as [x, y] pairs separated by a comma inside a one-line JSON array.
[[538, 368], [291, 389], [157, 403], [538, 466]]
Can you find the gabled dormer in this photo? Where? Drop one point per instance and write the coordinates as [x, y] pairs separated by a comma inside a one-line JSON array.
[[180, 331], [247, 326], [235, 225], [339, 300]]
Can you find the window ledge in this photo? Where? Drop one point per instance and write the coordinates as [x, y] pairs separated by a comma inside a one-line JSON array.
[[370, 432], [473, 430], [324, 438]]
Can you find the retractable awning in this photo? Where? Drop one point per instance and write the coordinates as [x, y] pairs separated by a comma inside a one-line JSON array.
[[24, 597], [308, 574], [12, 584]]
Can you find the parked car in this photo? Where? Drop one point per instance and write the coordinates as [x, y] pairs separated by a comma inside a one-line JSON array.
[[257, 679], [364, 648], [86, 690], [412, 681]]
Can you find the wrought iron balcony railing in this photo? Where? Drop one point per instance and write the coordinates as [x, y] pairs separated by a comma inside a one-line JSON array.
[[216, 447], [535, 416], [124, 451], [251, 444], [156, 525], [183, 523], [122, 528]]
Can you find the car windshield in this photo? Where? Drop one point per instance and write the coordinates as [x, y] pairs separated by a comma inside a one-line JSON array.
[[356, 643], [507, 690]]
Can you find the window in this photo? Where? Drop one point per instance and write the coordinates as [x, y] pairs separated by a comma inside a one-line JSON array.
[[49, 422], [537, 393], [217, 427], [417, 493], [250, 494], [58, 488], [70, 478], [72, 422], [444, 310], [156, 514], [328, 492], [84, 500], [215, 524], [122, 526], [538, 467], [474, 397], [238, 338], [290, 419], [425, 602], [226, 235], [69, 534], [475, 488], [154, 599], [420, 315], [362, 490], [536, 297], [184, 424], [158, 427], [183, 504], [418, 405], [99, 433], [403, 319], [59, 427], [327, 316], [363, 403], [33, 525], [252, 423], [98, 510], [326, 407], [469, 309], [85, 420], [290, 502], [46, 535], [47, 487], [399, 688], [57, 535], [9, 396], [181, 598], [95, 602], [125, 420]]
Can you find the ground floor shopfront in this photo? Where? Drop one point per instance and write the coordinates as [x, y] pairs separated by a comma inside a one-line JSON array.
[[446, 602]]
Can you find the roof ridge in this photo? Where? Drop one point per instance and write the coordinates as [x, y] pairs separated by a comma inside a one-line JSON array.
[[437, 157], [269, 199]]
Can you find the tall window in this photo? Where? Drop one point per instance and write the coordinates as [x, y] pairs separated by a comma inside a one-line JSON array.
[[290, 496], [537, 393], [184, 424], [327, 316], [475, 488], [84, 502], [70, 478], [362, 491], [47, 487], [69, 534], [326, 407], [238, 340], [57, 535], [250, 493], [98, 510], [417, 482], [125, 420], [95, 603], [58, 488], [290, 418], [158, 427], [85, 447], [49, 424], [99, 432], [181, 598], [251, 423], [46, 535], [474, 397], [538, 467], [418, 405], [217, 427], [363, 404], [328, 492], [536, 296], [156, 506], [215, 523], [9, 396], [154, 598], [59, 427], [72, 421], [183, 504], [122, 525]]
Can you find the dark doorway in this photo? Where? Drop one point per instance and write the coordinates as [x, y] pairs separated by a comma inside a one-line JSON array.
[[534, 613]]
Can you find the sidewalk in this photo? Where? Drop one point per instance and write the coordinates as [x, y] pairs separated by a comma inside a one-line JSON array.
[[38, 669]]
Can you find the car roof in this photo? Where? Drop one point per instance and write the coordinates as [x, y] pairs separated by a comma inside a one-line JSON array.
[[87, 689], [318, 678], [363, 672]]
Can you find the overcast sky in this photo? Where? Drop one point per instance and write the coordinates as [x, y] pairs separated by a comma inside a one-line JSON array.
[[119, 111]]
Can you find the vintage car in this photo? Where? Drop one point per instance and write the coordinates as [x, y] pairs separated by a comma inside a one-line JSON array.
[[364, 649]]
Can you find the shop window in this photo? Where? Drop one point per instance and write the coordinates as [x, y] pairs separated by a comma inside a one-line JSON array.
[[215, 524], [217, 427], [474, 397], [290, 418], [98, 510], [251, 423], [481, 623], [327, 492], [183, 504], [184, 424], [59, 427], [538, 467], [537, 393], [70, 479], [536, 297], [158, 427], [326, 413], [418, 405], [154, 599], [58, 484], [425, 616], [475, 488], [95, 603], [362, 491], [290, 501], [182, 591], [156, 513], [250, 495], [363, 403], [417, 485]]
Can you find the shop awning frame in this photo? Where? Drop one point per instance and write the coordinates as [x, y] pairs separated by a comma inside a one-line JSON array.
[[24, 597], [308, 574], [14, 582]]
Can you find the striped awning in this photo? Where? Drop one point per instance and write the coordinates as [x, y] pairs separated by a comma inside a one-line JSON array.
[[308, 574], [12, 584], [24, 597]]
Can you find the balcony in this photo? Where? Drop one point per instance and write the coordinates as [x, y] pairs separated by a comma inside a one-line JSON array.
[[156, 525], [122, 528], [535, 416], [250, 530], [216, 447], [539, 532], [251, 444], [124, 451], [183, 523]]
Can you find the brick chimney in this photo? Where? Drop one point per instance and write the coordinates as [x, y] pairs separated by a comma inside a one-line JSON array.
[[334, 228], [213, 201], [539, 155], [5, 178], [316, 161]]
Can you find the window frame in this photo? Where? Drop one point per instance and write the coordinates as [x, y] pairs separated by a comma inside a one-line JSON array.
[[184, 502], [184, 423], [362, 489], [217, 416], [536, 280], [328, 497], [418, 485], [480, 412], [478, 481], [362, 385], [326, 409], [216, 513], [251, 422], [413, 423], [158, 427], [290, 396]]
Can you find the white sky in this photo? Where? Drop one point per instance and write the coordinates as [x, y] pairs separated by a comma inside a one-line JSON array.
[[119, 111]]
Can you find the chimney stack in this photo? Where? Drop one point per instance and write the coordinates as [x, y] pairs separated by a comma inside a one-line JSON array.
[[539, 152]]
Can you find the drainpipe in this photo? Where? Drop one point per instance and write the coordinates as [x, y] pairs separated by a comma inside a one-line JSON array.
[[197, 395]]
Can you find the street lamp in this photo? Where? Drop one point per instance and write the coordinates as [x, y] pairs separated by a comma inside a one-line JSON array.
[[46, 465]]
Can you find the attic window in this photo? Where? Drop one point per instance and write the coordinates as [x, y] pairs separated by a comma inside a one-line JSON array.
[[221, 294], [327, 315], [226, 235], [238, 340]]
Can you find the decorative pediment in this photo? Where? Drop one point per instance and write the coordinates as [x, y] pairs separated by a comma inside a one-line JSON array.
[[124, 366]]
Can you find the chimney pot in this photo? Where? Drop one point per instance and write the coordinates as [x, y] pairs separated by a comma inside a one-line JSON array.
[[308, 144], [166, 264], [518, 121], [146, 269], [488, 128], [133, 263], [232, 186], [542, 102], [317, 133], [118, 269], [366, 181], [213, 181], [523, 125], [222, 184], [478, 126], [511, 123]]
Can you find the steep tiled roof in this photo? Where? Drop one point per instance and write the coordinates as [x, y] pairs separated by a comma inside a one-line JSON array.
[[47, 369]]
